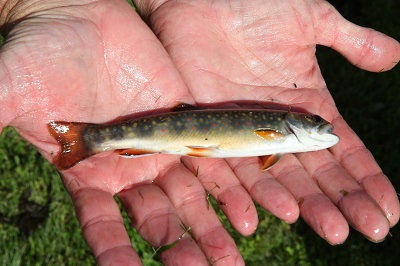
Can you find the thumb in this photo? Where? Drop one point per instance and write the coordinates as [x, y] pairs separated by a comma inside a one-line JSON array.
[[365, 48]]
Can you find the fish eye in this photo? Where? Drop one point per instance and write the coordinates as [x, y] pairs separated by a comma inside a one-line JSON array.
[[317, 119]]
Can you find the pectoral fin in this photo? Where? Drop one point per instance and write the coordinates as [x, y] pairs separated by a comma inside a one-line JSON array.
[[271, 161], [201, 151], [269, 134]]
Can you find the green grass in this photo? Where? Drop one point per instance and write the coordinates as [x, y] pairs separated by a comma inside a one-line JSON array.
[[57, 238], [38, 224], [37, 220]]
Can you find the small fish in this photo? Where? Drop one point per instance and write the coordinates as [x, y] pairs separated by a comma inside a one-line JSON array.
[[216, 133]]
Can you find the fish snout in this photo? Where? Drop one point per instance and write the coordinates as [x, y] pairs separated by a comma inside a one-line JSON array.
[[324, 129]]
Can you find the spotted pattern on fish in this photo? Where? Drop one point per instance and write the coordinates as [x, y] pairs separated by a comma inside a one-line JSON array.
[[205, 124]]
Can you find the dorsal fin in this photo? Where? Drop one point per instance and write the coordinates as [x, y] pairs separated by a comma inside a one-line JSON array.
[[185, 107]]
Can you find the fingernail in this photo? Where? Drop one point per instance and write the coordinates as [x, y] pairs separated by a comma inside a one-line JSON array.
[[374, 240]]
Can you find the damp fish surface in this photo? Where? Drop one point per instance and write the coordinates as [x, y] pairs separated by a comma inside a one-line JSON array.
[[214, 133]]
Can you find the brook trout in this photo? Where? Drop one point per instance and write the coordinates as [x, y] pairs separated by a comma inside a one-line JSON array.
[[214, 133]]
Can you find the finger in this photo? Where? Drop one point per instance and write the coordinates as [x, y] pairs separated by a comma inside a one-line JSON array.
[[155, 219], [366, 48], [189, 200], [265, 189], [102, 224], [315, 208], [360, 210], [219, 180], [360, 164]]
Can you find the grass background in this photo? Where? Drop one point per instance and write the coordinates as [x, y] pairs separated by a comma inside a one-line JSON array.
[[38, 224]]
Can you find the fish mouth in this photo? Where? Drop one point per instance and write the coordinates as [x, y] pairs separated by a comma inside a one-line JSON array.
[[326, 128], [326, 135]]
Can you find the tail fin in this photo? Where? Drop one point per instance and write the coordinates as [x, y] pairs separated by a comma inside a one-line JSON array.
[[73, 147]]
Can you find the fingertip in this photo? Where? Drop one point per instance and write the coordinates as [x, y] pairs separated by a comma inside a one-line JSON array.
[[239, 209], [382, 191], [123, 255], [291, 215], [326, 220], [365, 48], [365, 215], [275, 198], [337, 239], [377, 233], [336, 230]]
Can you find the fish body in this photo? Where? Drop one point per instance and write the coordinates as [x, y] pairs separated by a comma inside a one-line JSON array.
[[202, 133]]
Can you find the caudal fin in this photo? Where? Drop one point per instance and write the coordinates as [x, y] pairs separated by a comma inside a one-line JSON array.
[[73, 147]]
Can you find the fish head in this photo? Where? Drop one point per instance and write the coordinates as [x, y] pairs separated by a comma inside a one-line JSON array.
[[311, 130]]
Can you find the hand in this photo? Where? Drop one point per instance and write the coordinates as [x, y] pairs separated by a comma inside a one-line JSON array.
[[265, 51], [116, 67], [94, 62]]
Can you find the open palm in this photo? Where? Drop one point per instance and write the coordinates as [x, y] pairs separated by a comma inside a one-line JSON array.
[[99, 62], [265, 51]]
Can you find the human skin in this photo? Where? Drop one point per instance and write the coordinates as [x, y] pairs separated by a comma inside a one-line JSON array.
[[97, 61]]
